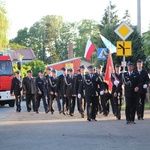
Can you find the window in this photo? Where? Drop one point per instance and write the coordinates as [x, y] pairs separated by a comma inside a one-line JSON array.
[[6, 68]]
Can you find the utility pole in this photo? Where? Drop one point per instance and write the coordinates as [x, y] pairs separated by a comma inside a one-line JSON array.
[[139, 16]]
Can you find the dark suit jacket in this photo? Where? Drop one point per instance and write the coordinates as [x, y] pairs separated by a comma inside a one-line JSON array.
[[41, 85], [52, 83], [131, 81], [29, 85], [16, 86], [60, 84], [144, 80], [91, 85], [69, 86], [118, 77]]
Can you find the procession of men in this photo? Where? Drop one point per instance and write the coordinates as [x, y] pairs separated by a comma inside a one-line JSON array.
[[88, 91]]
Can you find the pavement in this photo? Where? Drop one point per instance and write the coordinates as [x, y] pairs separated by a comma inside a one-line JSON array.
[[28, 130]]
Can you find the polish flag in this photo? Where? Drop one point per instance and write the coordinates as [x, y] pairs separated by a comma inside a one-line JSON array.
[[89, 50], [109, 71]]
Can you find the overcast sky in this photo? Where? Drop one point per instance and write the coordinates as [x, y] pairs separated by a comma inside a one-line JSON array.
[[24, 13]]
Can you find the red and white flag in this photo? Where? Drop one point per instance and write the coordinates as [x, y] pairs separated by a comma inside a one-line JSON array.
[[109, 71], [89, 50]]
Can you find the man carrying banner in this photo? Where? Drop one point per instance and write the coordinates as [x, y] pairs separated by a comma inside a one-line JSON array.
[[116, 101]]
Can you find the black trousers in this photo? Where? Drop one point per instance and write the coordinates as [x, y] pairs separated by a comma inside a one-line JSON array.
[[130, 108], [18, 102], [140, 105], [112, 101], [91, 106], [82, 104], [71, 104], [105, 103], [117, 105], [99, 106], [29, 98], [64, 103], [45, 103]]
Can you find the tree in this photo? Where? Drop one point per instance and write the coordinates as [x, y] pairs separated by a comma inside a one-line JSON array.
[[22, 38], [15, 46], [35, 66], [114, 19], [127, 17], [146, 47], [3, 26]]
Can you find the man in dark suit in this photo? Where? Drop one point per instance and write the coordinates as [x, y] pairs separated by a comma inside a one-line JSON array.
[[91, 82], [131, 80], [68, 88], [142, 89], [116, 101], [81, 97], [41, 91], [29, 90], [16, 88], [47, 76], [52, 82], [60, 91]]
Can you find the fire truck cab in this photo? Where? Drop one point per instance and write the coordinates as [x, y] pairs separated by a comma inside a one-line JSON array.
[[6, 75]]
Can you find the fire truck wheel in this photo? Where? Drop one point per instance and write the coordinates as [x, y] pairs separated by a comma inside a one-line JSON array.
[[11, 103]]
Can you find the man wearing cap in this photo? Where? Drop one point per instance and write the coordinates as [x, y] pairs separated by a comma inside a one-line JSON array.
[[100, 97], [91, 82], [29, 90], [52, 82], [16, 88], [41, 91], [60, 91], [142, 89], [116, 101], [68, 88], [47, 76], [131, 80], [81, 97]]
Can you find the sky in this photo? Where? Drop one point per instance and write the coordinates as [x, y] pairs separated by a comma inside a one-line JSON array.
[[24, 13]]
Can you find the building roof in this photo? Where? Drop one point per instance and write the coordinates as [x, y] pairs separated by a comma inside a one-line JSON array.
[[64, 61], [27, 54]]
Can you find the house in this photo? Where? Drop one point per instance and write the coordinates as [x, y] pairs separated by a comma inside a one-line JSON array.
[[26, 55]]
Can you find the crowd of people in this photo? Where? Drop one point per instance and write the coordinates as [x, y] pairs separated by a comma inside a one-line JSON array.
[[89, 92]]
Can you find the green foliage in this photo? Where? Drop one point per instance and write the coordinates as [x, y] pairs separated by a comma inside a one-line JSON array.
[[3, 26], [35, 66], [23, 70], [15, 46]]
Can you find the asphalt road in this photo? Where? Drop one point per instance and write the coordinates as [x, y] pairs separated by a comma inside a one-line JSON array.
[[31, 131]]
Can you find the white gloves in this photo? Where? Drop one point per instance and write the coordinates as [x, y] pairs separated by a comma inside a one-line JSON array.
[[145, 86], [79, 95], [101, 92], [116, 83]]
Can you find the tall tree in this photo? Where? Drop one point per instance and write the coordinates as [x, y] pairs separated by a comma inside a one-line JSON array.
[[4, 26]]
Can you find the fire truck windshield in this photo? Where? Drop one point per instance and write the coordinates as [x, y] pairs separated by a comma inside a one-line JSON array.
[[6, 68]]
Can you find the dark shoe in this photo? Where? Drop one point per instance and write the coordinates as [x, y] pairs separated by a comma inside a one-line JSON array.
[[37, 112], [118, 117], [128, 122], [47, 111], [64, 113], [94, 119], [89, 119], [132, 122], [28, 110], [71, 114], [60, 112], [82, 115]]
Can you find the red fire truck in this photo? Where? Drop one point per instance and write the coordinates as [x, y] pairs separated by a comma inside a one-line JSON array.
[[6, 75]]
